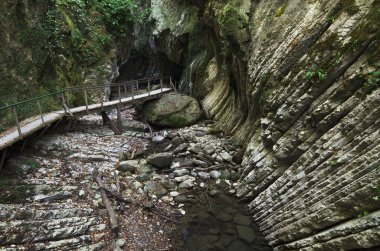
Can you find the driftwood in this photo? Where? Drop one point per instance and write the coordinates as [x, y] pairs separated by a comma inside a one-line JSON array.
[[150, 129], [107, 203], [108, 121]]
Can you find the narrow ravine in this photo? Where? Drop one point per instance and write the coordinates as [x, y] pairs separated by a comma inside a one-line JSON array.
[[183, 201]]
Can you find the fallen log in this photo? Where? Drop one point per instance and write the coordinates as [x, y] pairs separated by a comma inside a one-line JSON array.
[[111, 213], [108, 121]]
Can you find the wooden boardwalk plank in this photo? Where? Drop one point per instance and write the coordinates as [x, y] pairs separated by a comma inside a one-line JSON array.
[[28, 128]]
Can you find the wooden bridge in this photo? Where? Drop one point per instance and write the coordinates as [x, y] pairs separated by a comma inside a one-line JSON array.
[[95, 101]]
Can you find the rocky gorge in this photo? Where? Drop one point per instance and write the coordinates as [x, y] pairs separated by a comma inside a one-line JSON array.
[[291, 86]]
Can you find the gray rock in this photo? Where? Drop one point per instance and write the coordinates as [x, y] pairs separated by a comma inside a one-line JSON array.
[[174, 194], [209, 149], [200, 134], [144, 169], [204, 175], [120, 242], [226, 156], [133, 125], [226, 240], [242, 220], [214, 230], [182, 178], [200, 163], [160, 160], [157, 139], [238, 245], [224, 217], [128, 166], [137, 185], [177, 141], [82, 193], [195, 149], [180, 172], [225, 174], [189, 183], [155, 188], [142, 177], [215, 174], [170, 185], [181, 148], [246, 233], [181, 199], [214, 192]]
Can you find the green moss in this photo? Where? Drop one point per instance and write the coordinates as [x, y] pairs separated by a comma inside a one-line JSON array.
[[281, 10]]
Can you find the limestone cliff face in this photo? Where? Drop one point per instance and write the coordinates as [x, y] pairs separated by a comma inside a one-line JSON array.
[[298, 83]]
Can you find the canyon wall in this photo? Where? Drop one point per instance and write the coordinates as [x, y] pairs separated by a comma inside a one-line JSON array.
[[296, 82]]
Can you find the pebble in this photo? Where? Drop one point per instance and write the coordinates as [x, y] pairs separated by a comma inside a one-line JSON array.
[[189, 183], [101, 227], [120, 242], [226, 156], [215, 174], [204, 175], [174, 193], [181, 172]]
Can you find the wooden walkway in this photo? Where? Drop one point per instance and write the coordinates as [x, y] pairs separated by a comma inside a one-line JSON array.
[[27, 128]]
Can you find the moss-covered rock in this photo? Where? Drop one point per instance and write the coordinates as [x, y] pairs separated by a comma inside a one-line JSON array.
[[172, 110]]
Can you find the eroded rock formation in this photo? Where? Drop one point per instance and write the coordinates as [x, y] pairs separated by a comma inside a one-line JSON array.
[[297, 82]]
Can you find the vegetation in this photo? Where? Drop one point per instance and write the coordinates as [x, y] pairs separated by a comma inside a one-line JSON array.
[[321, 74], [371, 80]]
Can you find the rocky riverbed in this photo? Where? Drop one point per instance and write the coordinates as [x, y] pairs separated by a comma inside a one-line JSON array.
[[175, 191]]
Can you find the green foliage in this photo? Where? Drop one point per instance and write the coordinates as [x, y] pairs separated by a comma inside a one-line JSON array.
[[338, 57], [371, 80], [281, 10], [333, 162], [118, 15], [309, 74], [33, 164], [321, 74], [363, 214]]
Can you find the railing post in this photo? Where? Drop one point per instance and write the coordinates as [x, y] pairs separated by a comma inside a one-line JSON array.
[[17, 122], [137, 85], [86, 100], [63, 102], [101, 99], [119, 94], [40, 108], [133, 92], [148, 88], [161, 83], [125, 90], [4, 155]]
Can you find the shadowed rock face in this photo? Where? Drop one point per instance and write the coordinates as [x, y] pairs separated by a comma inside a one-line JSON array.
[[302, 92]]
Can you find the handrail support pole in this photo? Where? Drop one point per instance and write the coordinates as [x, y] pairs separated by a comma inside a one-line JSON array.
[[17, 122], [86, 100], [40, 109]]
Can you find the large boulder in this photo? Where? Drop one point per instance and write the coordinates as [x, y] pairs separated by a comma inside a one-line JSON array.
[[172, 110]]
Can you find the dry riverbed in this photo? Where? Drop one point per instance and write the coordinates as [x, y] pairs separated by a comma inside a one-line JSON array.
[[173, 193]]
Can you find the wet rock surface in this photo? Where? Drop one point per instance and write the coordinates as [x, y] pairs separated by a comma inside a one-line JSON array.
[[49, 198]]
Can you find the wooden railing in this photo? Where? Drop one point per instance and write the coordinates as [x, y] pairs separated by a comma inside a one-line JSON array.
[[11, 115]]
